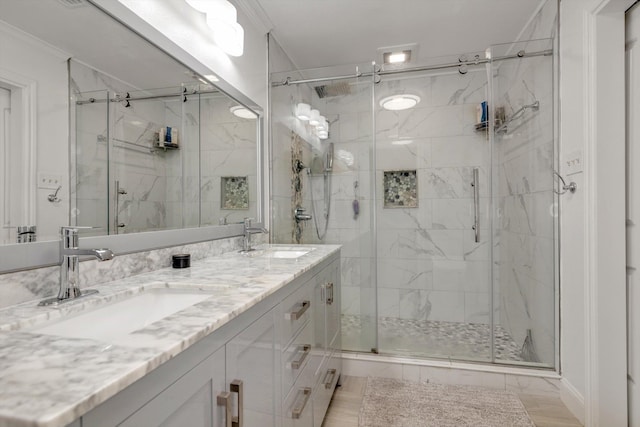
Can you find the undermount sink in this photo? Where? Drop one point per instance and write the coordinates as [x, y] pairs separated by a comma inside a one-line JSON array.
[[288, 252], [115, 322]]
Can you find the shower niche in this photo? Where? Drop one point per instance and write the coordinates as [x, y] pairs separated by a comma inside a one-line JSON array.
[[452, 252]]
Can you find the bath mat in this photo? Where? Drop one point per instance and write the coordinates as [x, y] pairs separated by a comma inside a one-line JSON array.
[[395, 403]]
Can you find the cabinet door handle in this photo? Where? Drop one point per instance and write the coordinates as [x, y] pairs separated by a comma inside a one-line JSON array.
[[329, 293], [304, 350], [236, 387], [295, 315], [224, 399], [329, 377], [301, 401]]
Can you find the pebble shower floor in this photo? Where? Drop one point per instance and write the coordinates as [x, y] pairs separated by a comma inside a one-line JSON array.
[[456, 340]]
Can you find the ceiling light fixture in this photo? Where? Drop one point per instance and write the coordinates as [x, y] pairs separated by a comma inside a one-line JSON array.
[[399, 102], [397, 57], [242, 112]]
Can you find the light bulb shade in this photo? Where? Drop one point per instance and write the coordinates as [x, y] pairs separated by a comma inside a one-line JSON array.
[[314, 118], [303, 111], [399, 102], [322, 123], [229, 36], [242, 112], [323, 134], [220, 9]]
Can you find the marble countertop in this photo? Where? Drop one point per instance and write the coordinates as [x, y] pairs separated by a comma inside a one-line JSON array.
[[50, 381]]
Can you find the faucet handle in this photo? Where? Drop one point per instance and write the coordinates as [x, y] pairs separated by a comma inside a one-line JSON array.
[[247, 222]]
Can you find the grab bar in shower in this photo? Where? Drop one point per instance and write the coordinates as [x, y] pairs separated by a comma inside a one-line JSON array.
[[476, 204]]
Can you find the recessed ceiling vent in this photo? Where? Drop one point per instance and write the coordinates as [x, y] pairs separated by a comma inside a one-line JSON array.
[[73, 3]]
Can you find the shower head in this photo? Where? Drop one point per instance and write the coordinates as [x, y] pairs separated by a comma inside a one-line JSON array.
[[336, 89]]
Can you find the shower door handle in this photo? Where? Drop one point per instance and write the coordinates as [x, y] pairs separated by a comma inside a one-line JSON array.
[[476, 205]]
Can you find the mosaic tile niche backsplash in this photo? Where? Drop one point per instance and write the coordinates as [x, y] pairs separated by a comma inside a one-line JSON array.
[[400, 189], [235, 192]]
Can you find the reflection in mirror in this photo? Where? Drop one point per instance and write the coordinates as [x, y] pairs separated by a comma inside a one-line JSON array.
[[163, 158], [56, 57]]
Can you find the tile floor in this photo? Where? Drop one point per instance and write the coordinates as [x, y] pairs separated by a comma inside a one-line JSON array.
[[345, 407]]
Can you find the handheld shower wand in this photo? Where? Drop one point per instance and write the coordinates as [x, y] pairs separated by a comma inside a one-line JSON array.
[[328, 164]]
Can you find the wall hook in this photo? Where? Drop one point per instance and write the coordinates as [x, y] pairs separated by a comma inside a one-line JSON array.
[[571, 187], [53, 198]]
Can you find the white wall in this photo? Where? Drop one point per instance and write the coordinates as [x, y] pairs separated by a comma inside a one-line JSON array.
[[46, 67], [593, 225]]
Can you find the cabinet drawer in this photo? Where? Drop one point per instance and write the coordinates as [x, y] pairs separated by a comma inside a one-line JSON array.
[[296, 358], [297, 407], [329, 374], [295, 311]]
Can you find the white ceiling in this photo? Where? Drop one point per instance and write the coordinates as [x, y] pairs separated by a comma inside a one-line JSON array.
[[318, 33]]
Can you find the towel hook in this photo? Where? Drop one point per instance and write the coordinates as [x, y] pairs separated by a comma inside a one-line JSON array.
[[571, 187]]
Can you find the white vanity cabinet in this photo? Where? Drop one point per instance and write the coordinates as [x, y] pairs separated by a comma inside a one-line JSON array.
[[311, 348], [272, 366]]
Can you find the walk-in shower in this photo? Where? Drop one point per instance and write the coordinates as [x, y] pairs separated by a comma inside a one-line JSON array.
[[445, 210]]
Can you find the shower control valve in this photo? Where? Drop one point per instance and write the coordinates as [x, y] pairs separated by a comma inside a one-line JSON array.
[[299, 215]]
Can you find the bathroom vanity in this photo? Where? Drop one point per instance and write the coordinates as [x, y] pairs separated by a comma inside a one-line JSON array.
[[255, 342]]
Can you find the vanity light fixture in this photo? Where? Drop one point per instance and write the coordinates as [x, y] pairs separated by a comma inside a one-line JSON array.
[[222, 18], [323, 124], [399, 102], [242, 112], [314, 118], [303, 111]]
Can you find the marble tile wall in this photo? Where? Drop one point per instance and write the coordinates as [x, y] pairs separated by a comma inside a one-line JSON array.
[[526, 207], [165, 189], [141, 172], [228, 147], [429, 266]]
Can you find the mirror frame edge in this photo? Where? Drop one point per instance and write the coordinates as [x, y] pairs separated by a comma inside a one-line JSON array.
[[25, 256]]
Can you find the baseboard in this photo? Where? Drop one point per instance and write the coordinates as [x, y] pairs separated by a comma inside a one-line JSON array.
[[572, 399]]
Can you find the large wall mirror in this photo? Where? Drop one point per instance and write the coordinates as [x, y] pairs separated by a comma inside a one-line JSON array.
[[100, 128]]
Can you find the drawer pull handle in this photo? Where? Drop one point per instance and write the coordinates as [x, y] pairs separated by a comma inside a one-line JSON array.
[[327, 293], [295, 315], [305, 350], [236, 387], [224, 399], [329, 377], [301, 402]]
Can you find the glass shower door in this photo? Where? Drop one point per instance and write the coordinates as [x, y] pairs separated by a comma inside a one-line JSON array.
[[525, 205], [433, 277], [347, 105]]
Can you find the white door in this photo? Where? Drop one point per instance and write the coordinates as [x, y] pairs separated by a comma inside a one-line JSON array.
[[633, 213], [5, 118]]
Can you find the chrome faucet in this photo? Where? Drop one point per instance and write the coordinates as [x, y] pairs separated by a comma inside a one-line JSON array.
[[248, 231], [299, 214], [70, 266]]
